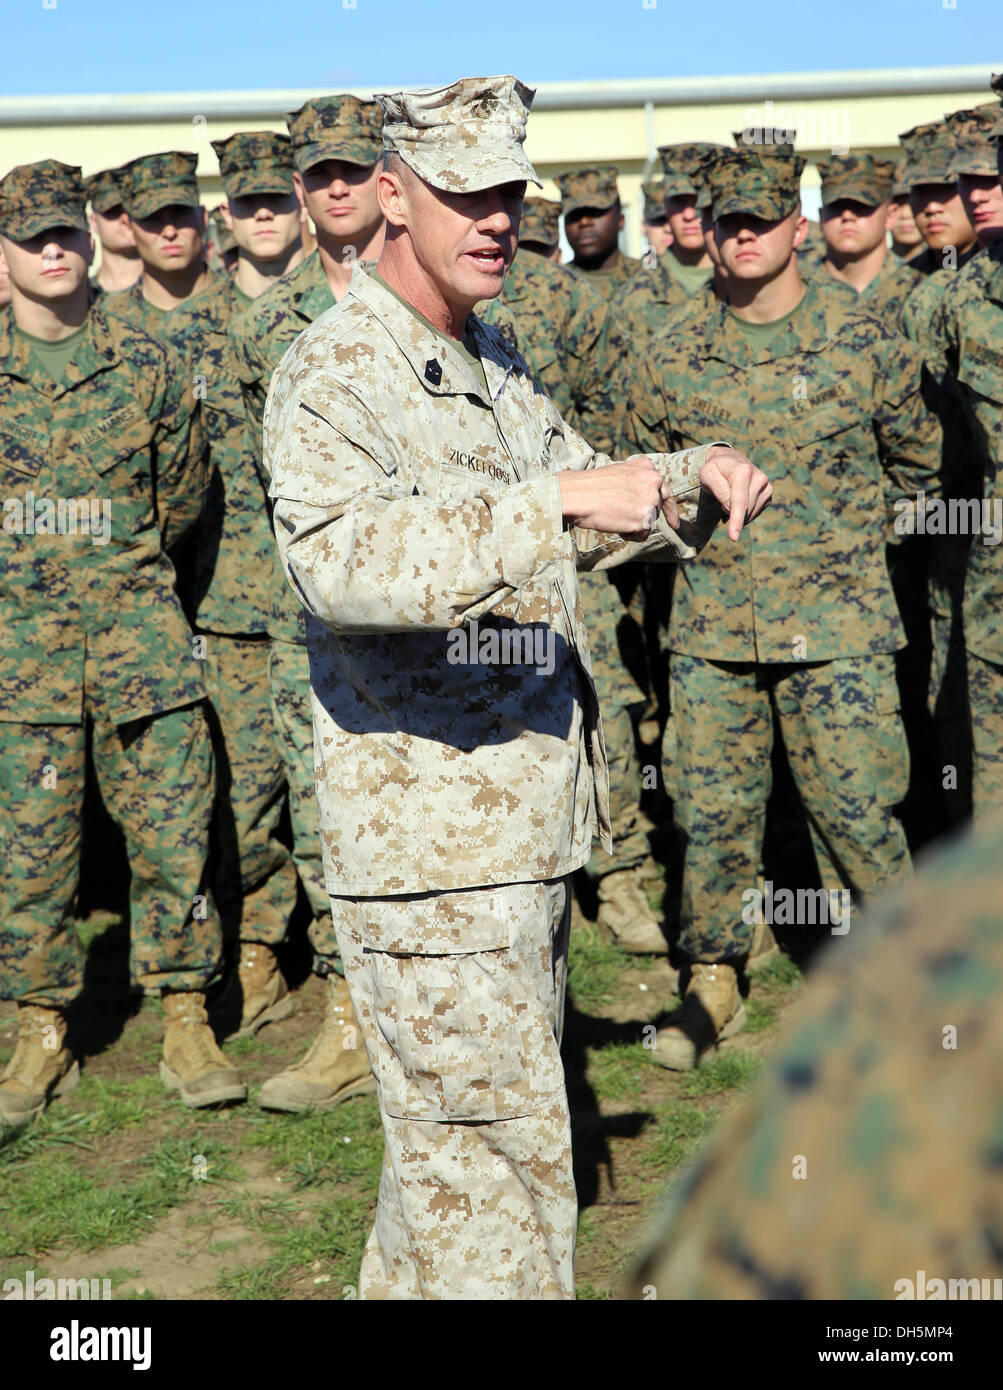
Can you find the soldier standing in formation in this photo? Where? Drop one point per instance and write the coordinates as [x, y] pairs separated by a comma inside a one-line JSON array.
[[798, 622], [231, 574], [572, 343], [964, 349], [337, 147], [97, 660], [540, 228], [593, 221], [856, 198], [654, 222], [161, 196], [120, 264]]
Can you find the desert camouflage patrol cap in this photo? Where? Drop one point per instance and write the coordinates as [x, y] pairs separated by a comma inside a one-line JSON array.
[[255, 161], [929, 152], [541, 221], [39, 197], [221, 233], [858, 176], [464, 137], [156, 181], [341, 126], [654, 201], [685, 169], [742, 181], [593, 188], [972, 131], [102, 191]]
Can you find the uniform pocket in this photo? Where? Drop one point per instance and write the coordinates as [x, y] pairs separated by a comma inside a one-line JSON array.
[[887, 750], [468, 1035]]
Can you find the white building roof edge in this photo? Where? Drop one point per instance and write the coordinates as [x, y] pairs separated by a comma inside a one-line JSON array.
[[101, 109]]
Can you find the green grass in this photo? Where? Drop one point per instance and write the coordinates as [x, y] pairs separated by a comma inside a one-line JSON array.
[[594, 966], [590, 1293], [761, 1015], [616, 1073], [779, 973], [323, 1145], [676, 1132], [332, 1236], [59, 1201], [192, 1161], [61, 1204], [726, 1072], [111, 1165]]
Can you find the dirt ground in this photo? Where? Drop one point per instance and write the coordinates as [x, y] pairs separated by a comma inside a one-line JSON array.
[[120, 1181]]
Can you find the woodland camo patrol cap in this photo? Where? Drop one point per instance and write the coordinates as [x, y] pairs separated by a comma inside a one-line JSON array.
[[929, 154], [859, 177], [653, 194], [158, 181], [255, 161], [743, 181], [541, 221], [972, 131], [336, 127], [464, 137], [102, 191], [38, 197], [594, 188], [685, 168], [221, 233]]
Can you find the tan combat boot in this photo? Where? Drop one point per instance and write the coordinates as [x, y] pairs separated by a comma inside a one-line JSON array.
[[625, 916], [264, 993], [192, 1063], [712, 1009], [335, 1068], [42, 1066], [764, 948]]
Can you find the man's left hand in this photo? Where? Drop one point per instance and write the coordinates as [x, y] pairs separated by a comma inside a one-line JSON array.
[[742, 489]]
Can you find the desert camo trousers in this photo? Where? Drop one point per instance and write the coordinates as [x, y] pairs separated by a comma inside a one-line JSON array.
[[985, 688], [289, 683], [254, 880], [460, 997], [156, 778], [847, 749]]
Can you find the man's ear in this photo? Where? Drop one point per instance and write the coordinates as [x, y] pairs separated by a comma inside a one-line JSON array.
[[800, 229], [391, 194], [224, 208], [619, 223], [300, 189], [90, 249]]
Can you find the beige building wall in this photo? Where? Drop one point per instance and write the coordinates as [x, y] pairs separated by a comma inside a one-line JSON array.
[[573, 124]]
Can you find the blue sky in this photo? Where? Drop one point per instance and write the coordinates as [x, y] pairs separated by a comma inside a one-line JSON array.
[[76, 46]]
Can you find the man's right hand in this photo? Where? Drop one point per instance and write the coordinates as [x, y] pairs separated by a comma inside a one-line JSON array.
[[623, 498]]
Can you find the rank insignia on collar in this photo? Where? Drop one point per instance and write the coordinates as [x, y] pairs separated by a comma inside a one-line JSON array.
[[433, 372]]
